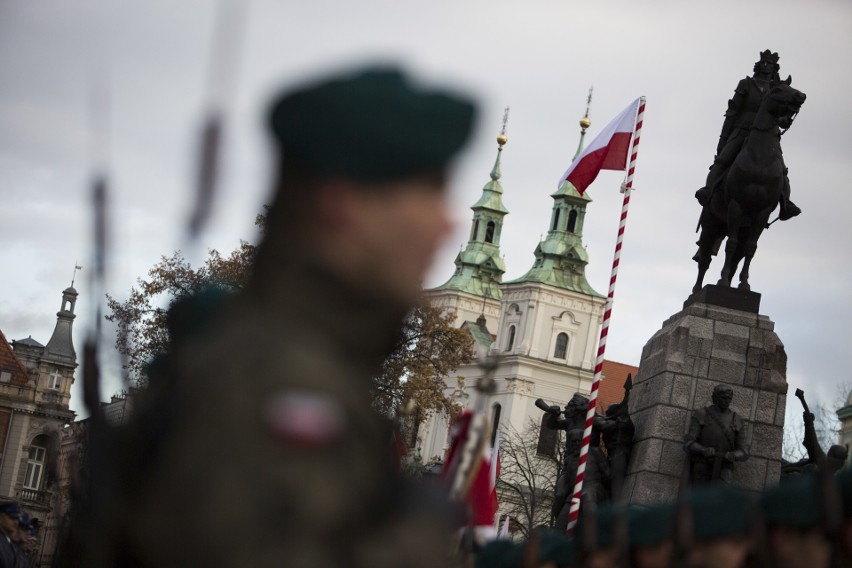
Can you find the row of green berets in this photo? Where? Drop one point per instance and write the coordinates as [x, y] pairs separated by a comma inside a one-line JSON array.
[[805, 522]]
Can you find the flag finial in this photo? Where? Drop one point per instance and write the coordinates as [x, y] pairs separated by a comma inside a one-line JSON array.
[[502, 138], [585, 122]]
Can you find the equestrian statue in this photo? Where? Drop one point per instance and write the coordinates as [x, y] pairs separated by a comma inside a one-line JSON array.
[[748, 178]]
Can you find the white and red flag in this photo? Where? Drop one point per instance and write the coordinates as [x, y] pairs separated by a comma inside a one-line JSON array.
[[608, 151], [479, 491]]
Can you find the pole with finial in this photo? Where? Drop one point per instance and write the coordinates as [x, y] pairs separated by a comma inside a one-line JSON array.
[[626, 187], [74, 276]]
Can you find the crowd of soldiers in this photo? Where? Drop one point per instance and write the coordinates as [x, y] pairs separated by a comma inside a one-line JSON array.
[[18, 543], [805, 522]]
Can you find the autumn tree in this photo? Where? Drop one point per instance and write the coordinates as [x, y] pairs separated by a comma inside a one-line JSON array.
[[429, 347], [141, 319], [527, 478]]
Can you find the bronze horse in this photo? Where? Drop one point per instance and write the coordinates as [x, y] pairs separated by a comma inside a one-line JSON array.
[[742, 203]]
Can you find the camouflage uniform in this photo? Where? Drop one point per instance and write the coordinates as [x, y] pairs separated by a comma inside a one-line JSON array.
[[266, 450]]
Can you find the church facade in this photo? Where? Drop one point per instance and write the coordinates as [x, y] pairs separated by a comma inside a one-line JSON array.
[[543, 326]]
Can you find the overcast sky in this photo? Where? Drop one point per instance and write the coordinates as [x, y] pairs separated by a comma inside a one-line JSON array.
[[539, 57]]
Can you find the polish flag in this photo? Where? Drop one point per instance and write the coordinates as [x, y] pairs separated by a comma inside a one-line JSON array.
[[481, 494], [608, 151]]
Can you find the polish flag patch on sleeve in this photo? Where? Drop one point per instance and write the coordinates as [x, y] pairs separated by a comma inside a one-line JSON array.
[[305, 418]]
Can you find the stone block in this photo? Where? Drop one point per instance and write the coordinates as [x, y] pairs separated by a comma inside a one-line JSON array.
[[773, 381], [664, 422], [725, 315], [781, 410], [722, 327], [730, 346], [727, 371], [673, 458], [773, 474], [627, 490], [704, 393], [766, 441], [743, 401], [765, 410], [645, 455], [699, 327], [750, 474], [650, 392], [763, 322], [650, 487], [681, 391]]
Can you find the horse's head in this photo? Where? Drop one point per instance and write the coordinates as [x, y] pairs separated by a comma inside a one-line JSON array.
[[784, 102]]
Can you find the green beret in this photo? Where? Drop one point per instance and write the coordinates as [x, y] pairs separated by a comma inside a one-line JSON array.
[[606, 517], [555, 546], [496, 554], [650, 526], [372, 125], [793, 503], [719, 511]]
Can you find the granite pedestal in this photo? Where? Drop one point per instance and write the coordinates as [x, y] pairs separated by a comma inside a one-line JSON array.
[[707, 343]]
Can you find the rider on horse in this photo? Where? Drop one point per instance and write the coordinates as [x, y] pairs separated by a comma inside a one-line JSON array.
[[742, 109]]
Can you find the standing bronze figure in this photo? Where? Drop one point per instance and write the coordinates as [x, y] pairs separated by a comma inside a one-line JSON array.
[[748, 178], [715, 439]]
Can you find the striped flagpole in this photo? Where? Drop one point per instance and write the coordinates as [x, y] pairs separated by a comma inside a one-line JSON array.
[[626, 188]]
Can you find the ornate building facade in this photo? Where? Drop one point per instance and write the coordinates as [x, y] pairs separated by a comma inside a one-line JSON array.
[[543, 325], [35, 389]]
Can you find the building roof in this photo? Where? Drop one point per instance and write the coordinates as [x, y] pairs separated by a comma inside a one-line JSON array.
[[10, 363], [613, 376], [29, 342], [480, 333]]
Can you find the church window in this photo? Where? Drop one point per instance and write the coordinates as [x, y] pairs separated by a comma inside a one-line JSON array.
[[561, 349], [547, 439], [475, 230], [572, 221], [53, 381], [489, 232], [35, 467], [555, 220], [511, 343]]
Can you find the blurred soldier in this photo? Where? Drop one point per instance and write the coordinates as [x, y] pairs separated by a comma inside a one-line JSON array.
[[715, 439], [11, 555], [794, 515], [720, 515], [652, 535], [273, 455]]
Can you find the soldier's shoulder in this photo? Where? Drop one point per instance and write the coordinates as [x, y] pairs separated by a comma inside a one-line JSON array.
[[700, 415]]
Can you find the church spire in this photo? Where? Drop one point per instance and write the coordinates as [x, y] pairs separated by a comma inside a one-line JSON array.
[[561, 258], [60, 346], [479, 267]]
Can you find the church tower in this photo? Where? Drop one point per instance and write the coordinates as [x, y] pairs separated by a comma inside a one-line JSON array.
[[473, 291], [35, 389], [547, 327]]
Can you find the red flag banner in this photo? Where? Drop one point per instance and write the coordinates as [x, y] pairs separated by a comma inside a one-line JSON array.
[[608, 151]]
